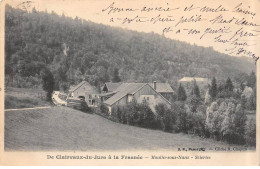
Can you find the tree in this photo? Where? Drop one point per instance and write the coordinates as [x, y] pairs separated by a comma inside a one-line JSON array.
[[47, 82], [193, 102], [103, 109], [116, 77], [44, 43], [251, 81], [195, 90], [165, 116], [250, 133], [181, 120], [226, 121], [199, 121], [249, 95], [208, 98], [248, 91], [251, 102], [213, 89], [242, 86], [233, 124], [181, 94], [229, 85], [213, 120]]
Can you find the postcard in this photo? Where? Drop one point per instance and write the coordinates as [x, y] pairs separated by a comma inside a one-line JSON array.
[[127, 83]]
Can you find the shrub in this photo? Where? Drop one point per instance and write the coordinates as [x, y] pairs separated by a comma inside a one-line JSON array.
[[226, 121], [147, 117], [193, 102], [250, 133], [213, 120], [233, 125], [181, 120], [165, 118], [135, 114], [196, 121], [104, 110], [84, 107], [119, 114]]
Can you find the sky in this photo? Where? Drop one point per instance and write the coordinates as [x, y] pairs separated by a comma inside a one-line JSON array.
[[190, 32]]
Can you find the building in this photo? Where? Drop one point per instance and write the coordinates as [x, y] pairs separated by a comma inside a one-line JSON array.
[[191, 79], [127, 92], [187, 83], [164, 89], [84, 91], [110, 87]]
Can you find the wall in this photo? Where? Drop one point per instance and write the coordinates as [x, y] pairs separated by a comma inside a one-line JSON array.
[[86, 90], [168, 96]]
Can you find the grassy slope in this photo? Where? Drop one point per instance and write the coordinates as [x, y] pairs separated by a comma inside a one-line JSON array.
[[23, 98], [62, 128]]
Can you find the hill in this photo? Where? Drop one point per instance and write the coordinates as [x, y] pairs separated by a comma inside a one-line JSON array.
[[76, 49], [65, 129]]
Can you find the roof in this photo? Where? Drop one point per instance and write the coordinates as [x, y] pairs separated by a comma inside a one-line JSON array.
[[128, 88], [163, 87], [77, 86], [112, 86], [123, 90], [107, 94], [190, 79], [160, 87]]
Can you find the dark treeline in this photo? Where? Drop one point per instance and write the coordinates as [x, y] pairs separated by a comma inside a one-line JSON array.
[[76, 49]]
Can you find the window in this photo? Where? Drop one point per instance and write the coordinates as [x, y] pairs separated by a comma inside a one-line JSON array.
[[130, 98]]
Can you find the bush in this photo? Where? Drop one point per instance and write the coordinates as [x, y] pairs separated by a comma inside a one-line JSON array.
[[165, 117], [250, 133], [181, 124], [84, 107], [213, 120], [104, 110], [147, 116], [195, 121], [119, 115], [226, 121], [135, 114], [199, 121], [193, 102]]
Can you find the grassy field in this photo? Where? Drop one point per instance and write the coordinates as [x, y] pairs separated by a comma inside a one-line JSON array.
[[62, 128], [24, 98]]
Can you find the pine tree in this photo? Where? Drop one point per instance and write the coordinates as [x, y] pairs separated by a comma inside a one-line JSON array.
[[229, 85], [195, 90], [181, 93], [47, 82], [213, 90], [116, 77]]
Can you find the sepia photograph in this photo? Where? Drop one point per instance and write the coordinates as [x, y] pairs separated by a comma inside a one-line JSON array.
[[130, 76]]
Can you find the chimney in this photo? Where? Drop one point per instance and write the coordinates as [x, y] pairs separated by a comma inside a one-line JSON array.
[[154, 85]]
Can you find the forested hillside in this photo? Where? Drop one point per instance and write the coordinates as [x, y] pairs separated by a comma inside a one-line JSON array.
[[76, 49]]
